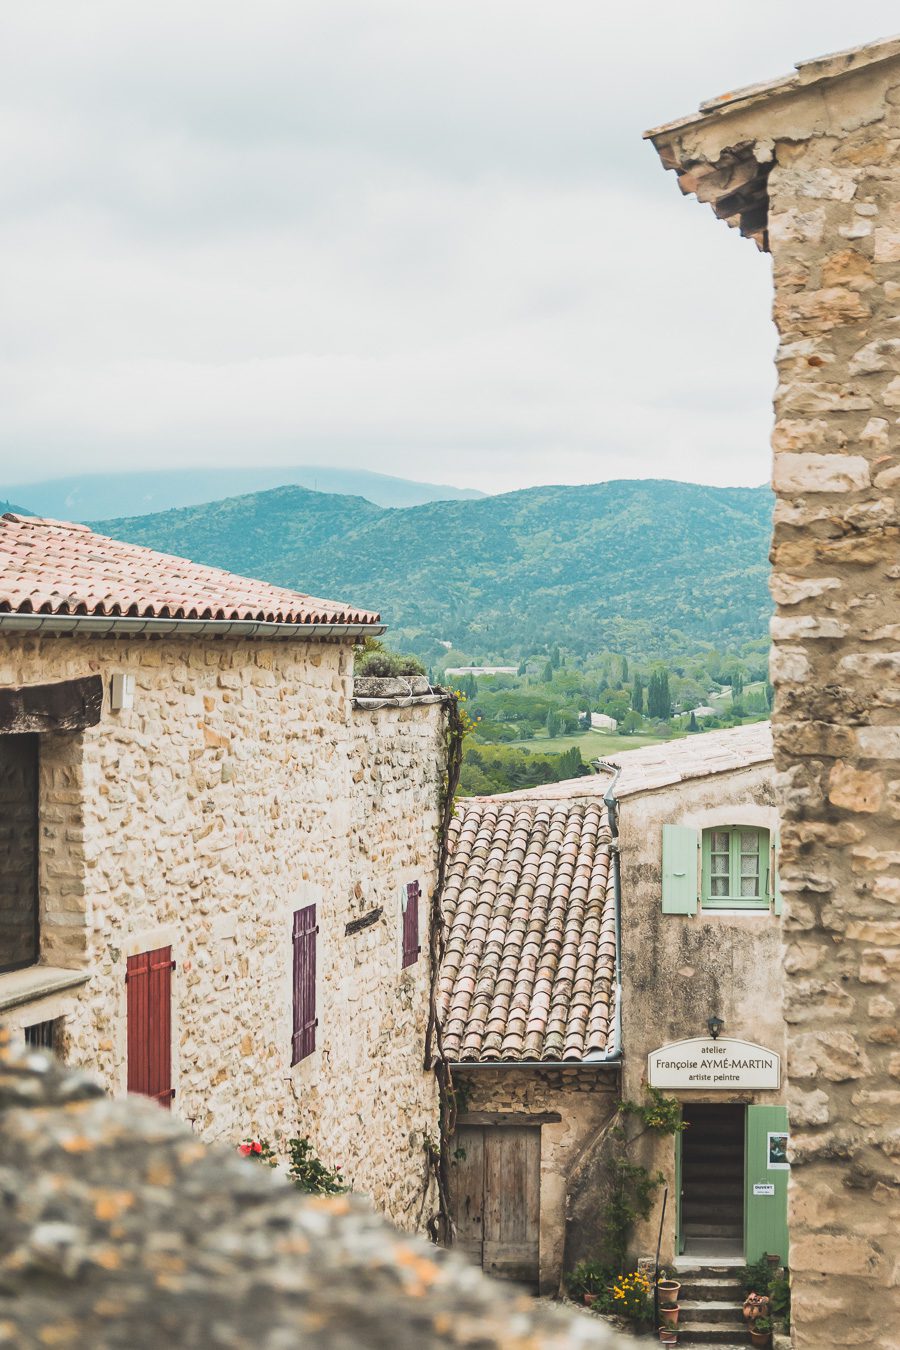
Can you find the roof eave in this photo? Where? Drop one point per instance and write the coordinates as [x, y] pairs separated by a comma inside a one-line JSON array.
[[94, 625]]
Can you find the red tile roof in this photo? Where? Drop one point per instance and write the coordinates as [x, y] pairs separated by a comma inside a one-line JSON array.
[[54, 567], [529, 969]]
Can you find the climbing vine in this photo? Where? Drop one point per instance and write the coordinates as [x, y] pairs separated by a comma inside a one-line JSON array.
[[437, 1152], [660, 1113], [631, 1186]]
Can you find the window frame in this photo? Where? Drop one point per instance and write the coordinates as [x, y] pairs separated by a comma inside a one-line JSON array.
[[763, 901]]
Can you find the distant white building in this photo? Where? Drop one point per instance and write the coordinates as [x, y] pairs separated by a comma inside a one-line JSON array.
[[482, 670], [600, 722]]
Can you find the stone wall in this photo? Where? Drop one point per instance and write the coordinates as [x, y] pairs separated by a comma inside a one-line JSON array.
[[120, 1229], [678, 970], [586, 1099], [243, 785], [835, 240], [810, 167]]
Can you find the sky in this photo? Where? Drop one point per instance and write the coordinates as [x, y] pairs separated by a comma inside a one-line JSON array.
[[423, 238]]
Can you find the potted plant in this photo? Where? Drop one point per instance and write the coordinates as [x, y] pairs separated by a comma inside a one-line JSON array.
[[668, 1336], [761, 1331], [669, 1314], [668, 1290]]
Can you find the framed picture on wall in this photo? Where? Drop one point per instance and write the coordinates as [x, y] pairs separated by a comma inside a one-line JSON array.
[[776, 1151]]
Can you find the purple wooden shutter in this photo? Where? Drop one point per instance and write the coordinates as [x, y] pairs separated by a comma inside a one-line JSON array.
[[148, 980], [411, 924], [303, 1041]]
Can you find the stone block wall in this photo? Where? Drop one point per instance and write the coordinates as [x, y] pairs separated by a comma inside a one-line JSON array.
[[241, 786], [834, 234]]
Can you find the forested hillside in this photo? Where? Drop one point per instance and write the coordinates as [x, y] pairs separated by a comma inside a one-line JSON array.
[[652, 568]]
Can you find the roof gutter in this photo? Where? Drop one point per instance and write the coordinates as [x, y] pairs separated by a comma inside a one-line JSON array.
[[595, 1062], [102, 625]]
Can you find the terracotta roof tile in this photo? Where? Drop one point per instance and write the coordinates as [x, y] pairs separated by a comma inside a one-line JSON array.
[[53, 567], [529, 912]]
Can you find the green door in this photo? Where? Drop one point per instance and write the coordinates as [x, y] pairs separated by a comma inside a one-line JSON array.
[[679, 1236], [765, 1183]]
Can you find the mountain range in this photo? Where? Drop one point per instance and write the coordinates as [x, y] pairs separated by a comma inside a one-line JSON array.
[[650, 567], [93, 495]]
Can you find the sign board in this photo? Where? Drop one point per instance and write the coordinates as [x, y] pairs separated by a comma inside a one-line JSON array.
[[722, 1065], [763, 1188]]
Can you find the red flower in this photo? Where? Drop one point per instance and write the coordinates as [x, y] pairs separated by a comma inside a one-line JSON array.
[[256, 1146], [245, 1149]]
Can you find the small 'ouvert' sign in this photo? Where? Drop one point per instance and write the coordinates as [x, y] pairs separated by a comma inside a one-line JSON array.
[[722, 1065]]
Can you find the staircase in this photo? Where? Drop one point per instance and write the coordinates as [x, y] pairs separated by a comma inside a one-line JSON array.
[[712, 1181], [711, 1299]]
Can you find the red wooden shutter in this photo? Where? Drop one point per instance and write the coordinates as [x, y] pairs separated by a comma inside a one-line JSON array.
[[411, 947], [148, 981], [303, 1041]]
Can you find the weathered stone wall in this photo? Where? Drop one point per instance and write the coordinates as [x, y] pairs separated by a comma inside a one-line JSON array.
[[820, 151], [120, 1229], [834, 229], [678, 970], [586, 1099], [241, 786]]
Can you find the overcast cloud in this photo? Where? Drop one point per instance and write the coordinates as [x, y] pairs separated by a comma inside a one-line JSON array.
[[425, 238]]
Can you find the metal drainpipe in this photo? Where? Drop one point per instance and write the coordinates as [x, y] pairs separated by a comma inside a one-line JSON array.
[[610, 803]]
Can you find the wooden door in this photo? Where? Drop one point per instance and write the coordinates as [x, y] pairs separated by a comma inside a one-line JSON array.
[[766, 1182], [497, 1177], [467, 1181]]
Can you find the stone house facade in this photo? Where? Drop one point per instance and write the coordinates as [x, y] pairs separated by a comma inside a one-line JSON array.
[[807, 166], [230, 857], [571, 959]]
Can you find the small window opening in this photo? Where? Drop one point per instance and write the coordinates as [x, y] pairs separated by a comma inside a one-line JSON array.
[[18, 851], [43, 1035]]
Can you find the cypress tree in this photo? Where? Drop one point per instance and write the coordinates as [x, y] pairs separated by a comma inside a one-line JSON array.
[[637, 695]]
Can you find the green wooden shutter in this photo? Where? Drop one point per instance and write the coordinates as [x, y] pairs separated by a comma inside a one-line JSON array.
[[679, 870], [776, 888]]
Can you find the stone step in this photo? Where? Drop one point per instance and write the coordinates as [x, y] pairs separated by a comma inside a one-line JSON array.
[[712, 1291], [709, 1310], [712, 1230], [714, 1333]]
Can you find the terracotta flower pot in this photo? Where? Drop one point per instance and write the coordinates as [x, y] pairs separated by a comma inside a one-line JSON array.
[[759, 1337], [669, 1316], [589, 1300], [669, 1291], [668, 1336]]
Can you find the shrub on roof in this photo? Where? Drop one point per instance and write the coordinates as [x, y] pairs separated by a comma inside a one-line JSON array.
[[385, 664]]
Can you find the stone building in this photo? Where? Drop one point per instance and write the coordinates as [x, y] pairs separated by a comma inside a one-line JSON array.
[[808, 166], [217, 861], [594, 930]]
